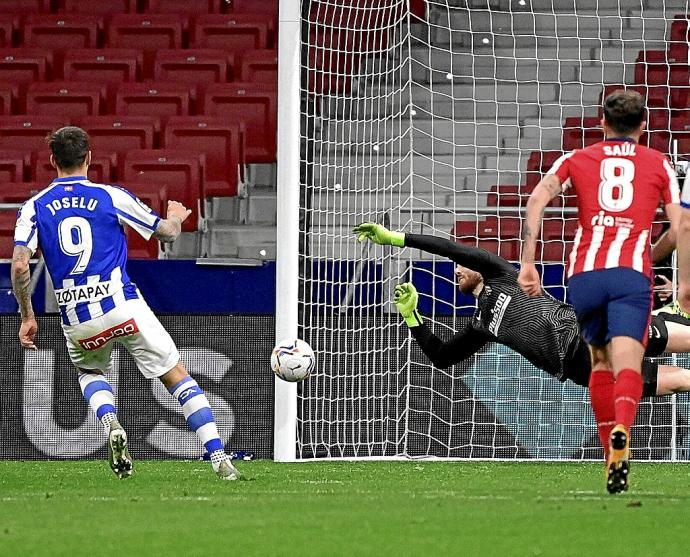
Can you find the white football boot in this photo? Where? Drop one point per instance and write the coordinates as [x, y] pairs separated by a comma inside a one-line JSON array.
[[118, 453], [226, 471]]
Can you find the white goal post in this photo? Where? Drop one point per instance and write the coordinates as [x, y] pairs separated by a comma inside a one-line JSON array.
[[438, 117]]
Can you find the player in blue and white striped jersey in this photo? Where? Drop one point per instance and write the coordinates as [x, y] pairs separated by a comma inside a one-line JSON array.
[[79, 227]]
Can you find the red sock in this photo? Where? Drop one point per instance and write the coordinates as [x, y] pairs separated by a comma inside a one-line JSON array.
[[627, 393], [601, 388]]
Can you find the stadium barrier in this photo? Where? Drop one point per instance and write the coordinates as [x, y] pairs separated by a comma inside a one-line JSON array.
[[492, 406], [44, 416]]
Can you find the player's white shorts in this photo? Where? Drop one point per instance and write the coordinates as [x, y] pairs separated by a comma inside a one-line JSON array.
[[132, 324]]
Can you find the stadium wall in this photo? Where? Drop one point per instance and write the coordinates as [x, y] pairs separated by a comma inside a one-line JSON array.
[[182, 286], [497, 413]]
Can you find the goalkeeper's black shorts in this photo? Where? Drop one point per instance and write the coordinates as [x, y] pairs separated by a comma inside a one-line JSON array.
[[578, 364]]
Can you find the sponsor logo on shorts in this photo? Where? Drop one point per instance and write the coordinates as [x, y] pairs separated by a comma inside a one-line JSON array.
[[95, 342]]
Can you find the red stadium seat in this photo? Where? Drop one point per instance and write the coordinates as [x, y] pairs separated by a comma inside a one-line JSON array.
[[98, 7], [220, 140], [251, 7], [558, 228], [116, 135], [180, 171], [680, 38], [24, 6], [658, 118], [328, 74], [538, 164], [150, 33], [22, 66], [679, 29], [61, 31], [158, 99], [499, 227], [184, 7], [659, 140], [581, 132], [505, 195], [100, 169], [651, 67], [496, 235], [27, 133], [195, 66], [557, 238], [681, 121], [358, 30], [259, 66], [69, 99], [7, 26], [679, 78], [254, 104], [12, 166], [464, 230], [234, 33], [109, 66], [19, 192], [8, 94], [556, 251], [680, 131], [7, 221]]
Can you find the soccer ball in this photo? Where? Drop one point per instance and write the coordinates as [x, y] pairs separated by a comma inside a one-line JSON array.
[[292, 360]]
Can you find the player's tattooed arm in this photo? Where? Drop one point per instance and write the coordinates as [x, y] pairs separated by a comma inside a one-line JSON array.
[[21, 284], [170, 227], [21, 280], [548, 188]]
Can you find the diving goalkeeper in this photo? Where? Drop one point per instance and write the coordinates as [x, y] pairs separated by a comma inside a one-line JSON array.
[[541, 329]]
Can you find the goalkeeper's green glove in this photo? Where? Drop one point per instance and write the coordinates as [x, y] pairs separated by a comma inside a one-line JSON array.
[[379, 234], [406, 299]]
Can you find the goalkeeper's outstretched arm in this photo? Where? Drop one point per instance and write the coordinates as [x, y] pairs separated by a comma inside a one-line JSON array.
[[442, 354], [487, 264]]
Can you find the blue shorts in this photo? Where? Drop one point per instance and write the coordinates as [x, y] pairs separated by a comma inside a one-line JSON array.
[[611, 303]]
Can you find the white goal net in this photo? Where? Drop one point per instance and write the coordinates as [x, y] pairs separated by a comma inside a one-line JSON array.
[[439, 117]]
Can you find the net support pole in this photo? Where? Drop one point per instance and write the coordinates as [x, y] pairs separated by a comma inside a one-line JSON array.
[[287, 261]]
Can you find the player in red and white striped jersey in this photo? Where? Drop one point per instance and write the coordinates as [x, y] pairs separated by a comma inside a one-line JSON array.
[[613, 230], [618, 184]]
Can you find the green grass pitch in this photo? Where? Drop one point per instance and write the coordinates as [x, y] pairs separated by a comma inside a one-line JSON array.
[[341, 508]]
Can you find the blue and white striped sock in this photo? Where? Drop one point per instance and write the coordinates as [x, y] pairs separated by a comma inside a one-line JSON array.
[[197, 412], [99, 394]]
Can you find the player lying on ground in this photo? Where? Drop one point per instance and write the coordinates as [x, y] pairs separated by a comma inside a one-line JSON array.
[[541, 329], [79, 228]]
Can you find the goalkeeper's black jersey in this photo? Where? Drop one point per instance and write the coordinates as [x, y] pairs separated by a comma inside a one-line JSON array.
[[542, 329]]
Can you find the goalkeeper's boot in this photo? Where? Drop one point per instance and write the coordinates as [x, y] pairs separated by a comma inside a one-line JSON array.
[[226, 471], [674, 309], [118, 453], [618, 466]]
